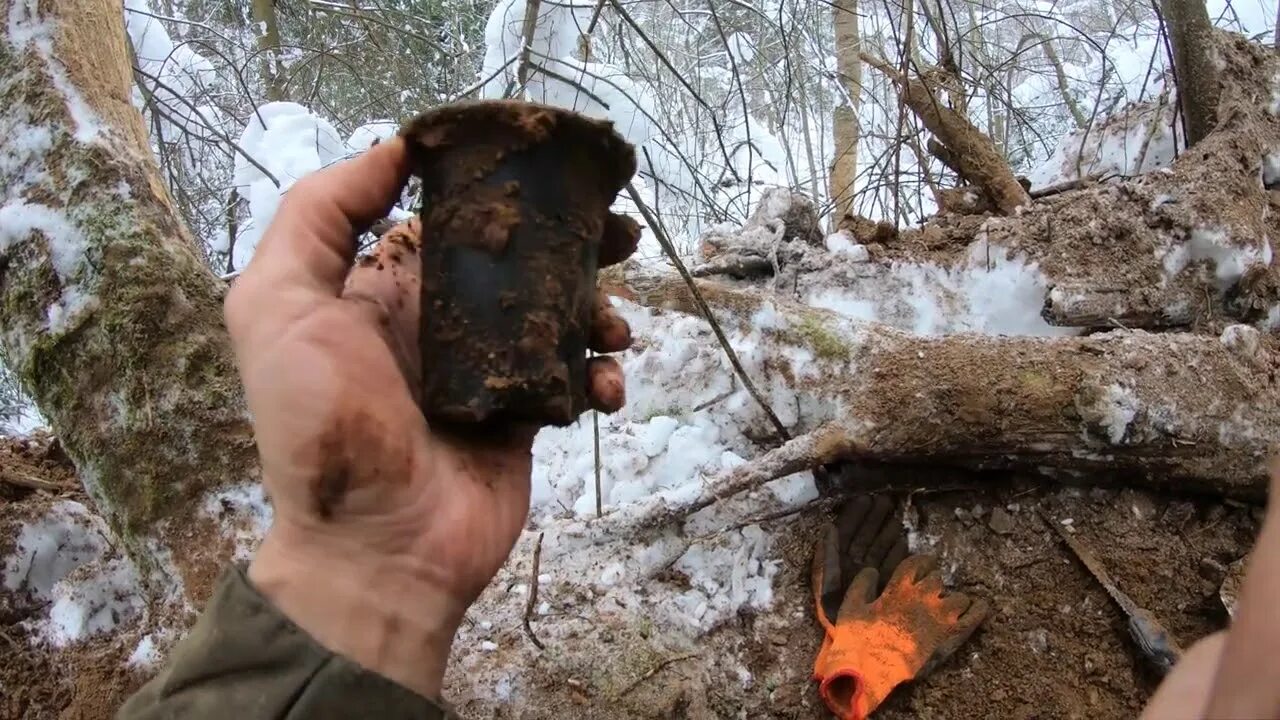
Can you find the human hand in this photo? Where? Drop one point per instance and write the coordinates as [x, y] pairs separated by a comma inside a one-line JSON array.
[[384, 531]]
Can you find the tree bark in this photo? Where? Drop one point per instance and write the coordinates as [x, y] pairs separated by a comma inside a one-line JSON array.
[[268, 29], [1191, 34], [110, 318], [845, 129]]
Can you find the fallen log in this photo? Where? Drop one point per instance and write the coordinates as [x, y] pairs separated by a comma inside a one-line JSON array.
[[1087, 307], [1194, 412], [738, 264]]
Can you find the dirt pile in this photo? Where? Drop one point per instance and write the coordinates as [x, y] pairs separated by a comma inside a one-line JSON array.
[[87, 680]]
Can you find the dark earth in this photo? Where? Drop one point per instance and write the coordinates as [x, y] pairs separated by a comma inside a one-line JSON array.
[[1054, 646]]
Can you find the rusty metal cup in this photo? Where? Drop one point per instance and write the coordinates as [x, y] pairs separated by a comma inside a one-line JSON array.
[[515, 200]]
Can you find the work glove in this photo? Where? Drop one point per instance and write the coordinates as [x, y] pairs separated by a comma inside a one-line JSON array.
[[873, 644]]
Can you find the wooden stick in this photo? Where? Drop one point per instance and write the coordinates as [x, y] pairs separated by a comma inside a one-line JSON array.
[[31, 482], [533, 594], [655, 670]]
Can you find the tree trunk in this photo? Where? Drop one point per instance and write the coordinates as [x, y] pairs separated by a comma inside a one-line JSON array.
[[1194, 56], [272, 62], [845, 129], [111, 319], [976, 156], [1064, 86]]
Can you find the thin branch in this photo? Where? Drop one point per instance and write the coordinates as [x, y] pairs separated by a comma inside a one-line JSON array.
[[209, 126], [670, 249], [655, 670]]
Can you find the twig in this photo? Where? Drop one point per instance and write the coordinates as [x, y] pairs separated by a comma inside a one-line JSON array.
[[479, 84], [595, 431], [655, 670], [815, 504], [12, 643], [715, 124], [533, 594], [1067, 186], [670, 249], [595, 17], [595, 438]]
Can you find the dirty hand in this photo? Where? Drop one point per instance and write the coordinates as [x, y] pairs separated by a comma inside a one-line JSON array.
[[875, 644], [384, 531]]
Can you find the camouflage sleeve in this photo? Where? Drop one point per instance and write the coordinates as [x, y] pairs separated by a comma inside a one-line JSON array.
[[245, 660]]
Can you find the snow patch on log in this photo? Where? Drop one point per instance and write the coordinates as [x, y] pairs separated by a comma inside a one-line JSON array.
[[1213, 245], [1113, 410], [65, 560], [992, 292]]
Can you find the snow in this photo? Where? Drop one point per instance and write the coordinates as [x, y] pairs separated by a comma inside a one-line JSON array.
[[841, 243], [1135, 141], [245, 512], [289, 141], [1272, 321], [65, 560], [1271, 171], [66, 243], [146, 655], [1249, 17], [1213, 245], [684, 421], [1243, 340], [25, 143], [1120, 407], [369, 134], [181, 75], [993, 292], [728, 576], [19, 219]]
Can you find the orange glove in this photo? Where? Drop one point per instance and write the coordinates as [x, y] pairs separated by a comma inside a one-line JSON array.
[[876, 644]]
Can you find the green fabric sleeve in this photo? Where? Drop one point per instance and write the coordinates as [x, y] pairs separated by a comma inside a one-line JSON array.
[[244, 660]]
